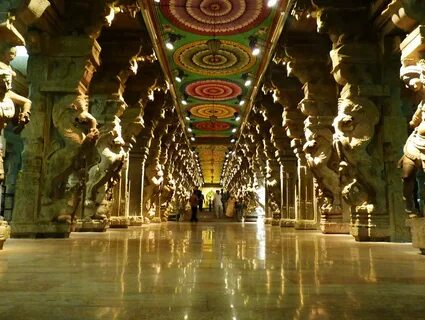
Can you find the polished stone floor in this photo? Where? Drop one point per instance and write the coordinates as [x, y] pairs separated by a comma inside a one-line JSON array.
[[210, 270]]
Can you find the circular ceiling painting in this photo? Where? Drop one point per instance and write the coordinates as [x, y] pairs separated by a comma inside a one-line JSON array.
[[218, 58], [213, 90], [218, 110], [212, 126], [215, 17]]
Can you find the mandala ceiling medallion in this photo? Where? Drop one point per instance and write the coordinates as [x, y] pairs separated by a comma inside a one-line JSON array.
[[214, 58], [212, 126], [218, 110], [215, 17], [214, 90]]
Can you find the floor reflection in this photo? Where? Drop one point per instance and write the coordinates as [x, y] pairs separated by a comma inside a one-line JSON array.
[[210, 271]]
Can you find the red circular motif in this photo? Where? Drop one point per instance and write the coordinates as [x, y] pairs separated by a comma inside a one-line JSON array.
[[212, 126], [215, 17], [213, 90]]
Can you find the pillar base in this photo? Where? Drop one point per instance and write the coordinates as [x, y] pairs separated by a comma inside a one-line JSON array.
[[41, 230], [367, 227], [287, 223], [136, 221], [268, 221], [275, 222], [91, 226], [119, 222], [4, 233], [335, 227], [305, 225], [417, 229]]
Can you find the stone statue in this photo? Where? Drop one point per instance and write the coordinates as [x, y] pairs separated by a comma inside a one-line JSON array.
[[154, 177], [110, 154], [9, 99], [354, 130], [75, 134], [414, 149]]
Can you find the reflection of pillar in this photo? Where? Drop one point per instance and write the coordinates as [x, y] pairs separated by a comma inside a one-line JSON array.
[[289, 168]]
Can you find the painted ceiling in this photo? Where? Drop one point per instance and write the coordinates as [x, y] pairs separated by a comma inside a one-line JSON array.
[[214, 52]]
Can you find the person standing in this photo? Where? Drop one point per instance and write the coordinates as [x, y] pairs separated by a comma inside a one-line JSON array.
[[218, 205], [201, 200], [193, 200]]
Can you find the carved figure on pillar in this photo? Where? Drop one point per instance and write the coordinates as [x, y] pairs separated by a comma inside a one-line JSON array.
[[354, 131], [414, 149], [110, 157], [76, 133]]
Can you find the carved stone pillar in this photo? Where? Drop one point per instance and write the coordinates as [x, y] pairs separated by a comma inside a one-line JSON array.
[[287, 92], [359, 126], [140, 91], [153, 113], [309, 63], [107, 105], [154, 179], [49, 187]]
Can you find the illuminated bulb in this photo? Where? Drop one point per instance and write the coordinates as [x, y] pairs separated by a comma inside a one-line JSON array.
[[241, 103], [184, 102], [189, 129], [248, 82], [256, 51], [271, 3], [178, 79], [192, 138], [238, 118], [234, 130], [232, 140], [169, 45]]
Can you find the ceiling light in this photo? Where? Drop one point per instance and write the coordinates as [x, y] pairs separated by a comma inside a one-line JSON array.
[[253, 45], [179, 75], [247, 79], [184, 99], [172, 37], [271, 3]]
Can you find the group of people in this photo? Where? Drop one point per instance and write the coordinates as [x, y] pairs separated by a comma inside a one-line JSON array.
[[222, 202]]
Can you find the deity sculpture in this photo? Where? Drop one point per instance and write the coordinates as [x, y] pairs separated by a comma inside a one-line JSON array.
[[354, 131], [110, 154], [414, 149], [9, 99], [154, 178], [76, 132]]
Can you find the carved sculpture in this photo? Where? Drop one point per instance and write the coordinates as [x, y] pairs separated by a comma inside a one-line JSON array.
[[8, 98], [75, 133], [414, 149], [110, 157], [354, 131]]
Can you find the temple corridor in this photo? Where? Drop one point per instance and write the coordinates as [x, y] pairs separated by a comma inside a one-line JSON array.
[[210, 271]]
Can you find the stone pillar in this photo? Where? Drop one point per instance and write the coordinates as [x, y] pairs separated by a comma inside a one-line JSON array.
[[138, 94], [308, 61], [359, 125], [287, 92], [107, 105], [49, 187]]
